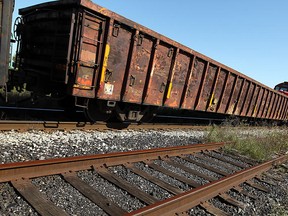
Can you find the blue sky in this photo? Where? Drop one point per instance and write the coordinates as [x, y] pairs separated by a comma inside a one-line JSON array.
[[250, 36]]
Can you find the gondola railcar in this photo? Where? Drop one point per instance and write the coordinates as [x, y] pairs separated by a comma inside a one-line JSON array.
[[111, 65]]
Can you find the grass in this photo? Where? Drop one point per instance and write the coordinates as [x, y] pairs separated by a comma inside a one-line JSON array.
[[278, 210], [261, 145]]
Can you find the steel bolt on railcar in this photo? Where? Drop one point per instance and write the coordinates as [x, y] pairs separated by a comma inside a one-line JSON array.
[[110, 65]]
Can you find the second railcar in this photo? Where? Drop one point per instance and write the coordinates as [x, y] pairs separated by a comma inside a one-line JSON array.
[[282, 87], [110, 64]]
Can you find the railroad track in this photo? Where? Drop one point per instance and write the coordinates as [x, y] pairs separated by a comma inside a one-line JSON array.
[[66, 126], [228, 173]]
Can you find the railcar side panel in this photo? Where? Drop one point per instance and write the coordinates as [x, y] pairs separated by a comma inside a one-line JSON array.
[[235, 95], [262, 103], [270, 104], [159, 74], [206, 95], [247, 99], [242, 96], [219, 90], [141, 56], [285, 113], [280, 109], [177, 83], [227, 92], [276, 107], [118, 45], [285, 110], [251, 106], [194, 84], [258, 102], [265, 110]]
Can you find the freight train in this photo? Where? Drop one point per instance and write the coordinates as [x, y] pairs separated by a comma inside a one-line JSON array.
[[94, 59]]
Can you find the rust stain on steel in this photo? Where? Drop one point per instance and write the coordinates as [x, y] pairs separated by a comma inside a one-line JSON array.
[[274, 107], [281, 107], [119, 41], [180, 72], [285, 110], [227, 92], [252, 102], [136, 79], [141, 66], [183, 202], [205, 97], [239, 96], [194, 84], [159, 75], [235, 96], [212, 100], [269, 97], [270, 105], [230, 103], [87, 63], [258, 102], [219, 86], [241, 100], [263, 103], [13, 171]]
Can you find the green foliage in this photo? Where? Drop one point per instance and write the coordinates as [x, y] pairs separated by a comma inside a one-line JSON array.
[[279, 211], [262, 144]]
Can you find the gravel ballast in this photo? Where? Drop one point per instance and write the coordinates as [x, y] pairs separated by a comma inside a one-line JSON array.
[[38, 145]]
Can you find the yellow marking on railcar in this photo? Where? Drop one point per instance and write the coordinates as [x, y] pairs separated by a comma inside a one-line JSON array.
[[105, 62], [255, 109], [211, 99], [169, 90], [102, 10]]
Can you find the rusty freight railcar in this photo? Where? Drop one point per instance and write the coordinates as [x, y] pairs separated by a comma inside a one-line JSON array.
[[6, 9], [112, 65]]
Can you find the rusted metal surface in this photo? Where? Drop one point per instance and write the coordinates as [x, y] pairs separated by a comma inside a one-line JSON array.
[[139, 66], [102, 126], [183, 202], [6, 9], [86, 63], [14, 171], [21, 176], [112, 58], [162, 60], [176, 83]]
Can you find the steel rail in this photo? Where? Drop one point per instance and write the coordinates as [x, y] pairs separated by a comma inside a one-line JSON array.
[[184, 202], [33, 169], [55, 125]]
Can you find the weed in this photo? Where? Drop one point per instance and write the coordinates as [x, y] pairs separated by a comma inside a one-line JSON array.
[[259, 144]]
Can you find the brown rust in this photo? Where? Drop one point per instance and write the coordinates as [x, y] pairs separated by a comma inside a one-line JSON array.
[[159, 75], [184, 202], [116, 59], [177, 83], [32, 169], [138, 69]]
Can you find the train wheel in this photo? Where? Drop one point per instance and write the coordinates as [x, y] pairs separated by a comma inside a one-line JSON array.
[[97, 111]]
